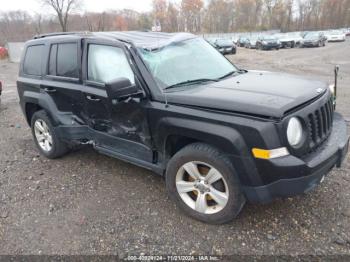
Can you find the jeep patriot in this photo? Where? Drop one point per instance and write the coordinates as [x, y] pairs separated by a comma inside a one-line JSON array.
[[173, 104]]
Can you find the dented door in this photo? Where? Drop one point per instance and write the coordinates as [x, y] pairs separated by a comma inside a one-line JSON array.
[[120, 127]]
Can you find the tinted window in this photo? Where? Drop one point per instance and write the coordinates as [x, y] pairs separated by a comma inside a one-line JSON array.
[[106, 63], [32, 60], [67, 60], [52, 62]]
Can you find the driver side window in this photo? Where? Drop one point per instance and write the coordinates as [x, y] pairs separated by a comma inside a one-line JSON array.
[[106, 63]]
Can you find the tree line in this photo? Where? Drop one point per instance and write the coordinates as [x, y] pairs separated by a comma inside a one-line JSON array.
[[197, 16]]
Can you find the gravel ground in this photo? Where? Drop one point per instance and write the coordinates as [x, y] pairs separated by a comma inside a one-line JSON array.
[[86, 203]]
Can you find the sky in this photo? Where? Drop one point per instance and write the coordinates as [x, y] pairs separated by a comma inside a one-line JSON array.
[[34, 6]]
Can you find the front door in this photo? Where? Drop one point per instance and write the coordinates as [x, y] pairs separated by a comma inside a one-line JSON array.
[[120, 127]]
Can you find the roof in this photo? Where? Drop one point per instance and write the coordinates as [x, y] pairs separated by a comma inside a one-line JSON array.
[[146, 40]]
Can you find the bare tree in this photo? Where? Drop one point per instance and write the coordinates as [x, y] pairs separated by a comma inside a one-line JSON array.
[[63, 8]]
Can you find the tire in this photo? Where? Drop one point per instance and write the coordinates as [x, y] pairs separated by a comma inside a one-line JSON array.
[[204, 156], [56, 148]]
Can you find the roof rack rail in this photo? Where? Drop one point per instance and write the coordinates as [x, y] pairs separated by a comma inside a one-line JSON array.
[[62, 33]]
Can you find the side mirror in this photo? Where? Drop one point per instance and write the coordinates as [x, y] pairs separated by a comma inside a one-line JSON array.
[[121, 88]]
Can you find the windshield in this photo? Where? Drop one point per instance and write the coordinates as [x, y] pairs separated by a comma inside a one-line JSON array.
[[311, 35], [269, 38], [186, 61]]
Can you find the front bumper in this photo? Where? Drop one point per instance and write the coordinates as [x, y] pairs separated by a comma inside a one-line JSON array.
[[270, 46], [336, 40], [312, 168], [310, 44], [226, 50]]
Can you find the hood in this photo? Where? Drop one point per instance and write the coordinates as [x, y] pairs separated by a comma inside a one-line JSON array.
[[286, 39], [255, 92], [224, 45], [312, 39], [269, 40]]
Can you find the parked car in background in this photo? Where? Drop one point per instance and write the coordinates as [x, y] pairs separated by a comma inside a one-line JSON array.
[[268, 42], [225, 46], [314, 39], [251, 42], [242, 41], [297, 38], [289, 39], [3, 52], [285, 40], [336, 36]]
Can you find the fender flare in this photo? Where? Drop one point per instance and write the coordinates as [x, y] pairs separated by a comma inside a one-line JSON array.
[[46, 102], [225, 138]]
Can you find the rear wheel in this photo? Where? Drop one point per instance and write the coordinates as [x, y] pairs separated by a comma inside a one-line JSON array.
[[204, 184], [45, 136]]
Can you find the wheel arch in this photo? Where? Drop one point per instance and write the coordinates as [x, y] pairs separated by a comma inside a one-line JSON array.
[[178, 133], [33, 102], [30, 109]]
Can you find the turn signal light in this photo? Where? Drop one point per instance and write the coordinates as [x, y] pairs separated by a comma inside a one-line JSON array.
[[269, 154]]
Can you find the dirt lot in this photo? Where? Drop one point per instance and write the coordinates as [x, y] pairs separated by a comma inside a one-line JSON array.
[[86, 203]]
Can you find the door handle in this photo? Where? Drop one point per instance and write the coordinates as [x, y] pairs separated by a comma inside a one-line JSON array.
[[93, 98], [49, 90]]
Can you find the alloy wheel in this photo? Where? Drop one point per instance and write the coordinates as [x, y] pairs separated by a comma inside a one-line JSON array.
[[43, 135], [202, 187]]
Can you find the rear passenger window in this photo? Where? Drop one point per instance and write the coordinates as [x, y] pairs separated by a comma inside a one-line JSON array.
[[32, 60], [64, 60]]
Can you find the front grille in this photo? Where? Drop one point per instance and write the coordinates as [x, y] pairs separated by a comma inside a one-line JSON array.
[[320, 124]]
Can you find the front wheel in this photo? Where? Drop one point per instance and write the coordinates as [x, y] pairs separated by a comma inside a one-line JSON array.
[[45, 136], [204, 184]]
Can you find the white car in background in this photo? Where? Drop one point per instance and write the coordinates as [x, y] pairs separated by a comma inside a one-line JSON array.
[[336, 36], [291, 39]]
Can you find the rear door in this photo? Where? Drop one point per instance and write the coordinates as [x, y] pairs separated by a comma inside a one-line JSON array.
[[31, 70], [63, 77], [120, 127]]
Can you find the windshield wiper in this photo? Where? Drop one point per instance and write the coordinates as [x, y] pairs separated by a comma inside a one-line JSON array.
[[228, 74], [194, 81], [240, 71]]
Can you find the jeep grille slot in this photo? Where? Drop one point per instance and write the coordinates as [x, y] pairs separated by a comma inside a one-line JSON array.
[[319, 124]]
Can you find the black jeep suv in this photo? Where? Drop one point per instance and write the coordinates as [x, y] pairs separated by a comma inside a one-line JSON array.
[[172, 104]]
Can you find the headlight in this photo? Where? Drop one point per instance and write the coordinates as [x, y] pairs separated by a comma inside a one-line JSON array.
[[334, 98], [294, 131]]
